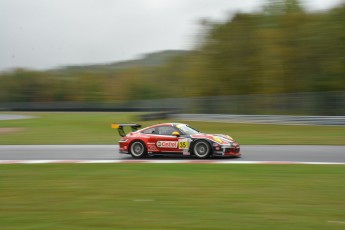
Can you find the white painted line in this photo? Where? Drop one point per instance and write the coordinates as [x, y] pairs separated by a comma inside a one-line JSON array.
[[167, 161], [241, 162], [161, 162], [281, 162], [99, 161], [37, 162]]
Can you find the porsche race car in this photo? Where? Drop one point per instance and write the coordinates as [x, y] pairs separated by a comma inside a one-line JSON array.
[[174, 138]]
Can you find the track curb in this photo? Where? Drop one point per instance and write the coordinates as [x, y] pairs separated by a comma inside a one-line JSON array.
[[3, 162]]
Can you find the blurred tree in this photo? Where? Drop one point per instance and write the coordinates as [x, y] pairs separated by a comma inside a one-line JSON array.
[[282, 49]]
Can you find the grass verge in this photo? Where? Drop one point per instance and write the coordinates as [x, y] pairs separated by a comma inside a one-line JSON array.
[[171, 196], [94, 128]]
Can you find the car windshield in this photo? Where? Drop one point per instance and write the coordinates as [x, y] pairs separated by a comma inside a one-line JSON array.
[[187, 129]]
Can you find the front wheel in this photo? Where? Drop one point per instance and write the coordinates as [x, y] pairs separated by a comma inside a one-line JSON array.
[[202, 149], [138, 149]]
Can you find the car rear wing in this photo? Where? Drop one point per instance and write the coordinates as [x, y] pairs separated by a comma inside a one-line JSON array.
[[119, 127]]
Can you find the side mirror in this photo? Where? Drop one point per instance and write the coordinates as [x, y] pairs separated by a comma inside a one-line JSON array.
[[175, 133]]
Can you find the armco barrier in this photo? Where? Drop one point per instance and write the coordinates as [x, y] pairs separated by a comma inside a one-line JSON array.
[[264, 119]]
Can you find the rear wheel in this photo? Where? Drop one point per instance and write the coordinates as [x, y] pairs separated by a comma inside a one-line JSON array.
[[202, 149], [137, 149]]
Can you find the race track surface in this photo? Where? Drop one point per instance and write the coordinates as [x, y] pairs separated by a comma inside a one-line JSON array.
[[4, 117], [277, 153]]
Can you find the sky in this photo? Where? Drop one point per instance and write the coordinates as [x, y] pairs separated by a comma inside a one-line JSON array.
[[43, 34]]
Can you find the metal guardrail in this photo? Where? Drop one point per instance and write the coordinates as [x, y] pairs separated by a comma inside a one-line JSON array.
[[264, 119], [303, 103]]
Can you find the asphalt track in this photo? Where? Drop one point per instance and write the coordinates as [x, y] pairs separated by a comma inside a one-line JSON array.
[[268, 153], [4, 117]]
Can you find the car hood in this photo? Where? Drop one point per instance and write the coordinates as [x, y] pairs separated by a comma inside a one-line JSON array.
[[219, 138]]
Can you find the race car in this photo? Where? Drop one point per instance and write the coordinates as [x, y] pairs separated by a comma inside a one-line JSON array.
[[176, 139]]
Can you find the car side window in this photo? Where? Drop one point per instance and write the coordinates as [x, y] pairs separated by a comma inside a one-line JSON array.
[[149, 131], [166, 130]]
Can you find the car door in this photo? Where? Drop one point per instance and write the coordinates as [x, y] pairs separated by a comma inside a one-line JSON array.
[[165, 141]]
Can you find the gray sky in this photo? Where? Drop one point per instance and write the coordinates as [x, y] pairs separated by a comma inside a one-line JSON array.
[[41, 34]]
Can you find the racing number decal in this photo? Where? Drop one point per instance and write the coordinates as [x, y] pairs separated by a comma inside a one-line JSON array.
[[183, 144]]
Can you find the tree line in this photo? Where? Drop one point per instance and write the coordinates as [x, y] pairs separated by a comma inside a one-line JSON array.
[[280, 49]]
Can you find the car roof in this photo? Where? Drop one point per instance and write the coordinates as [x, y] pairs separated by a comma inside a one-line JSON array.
[[170, 124]]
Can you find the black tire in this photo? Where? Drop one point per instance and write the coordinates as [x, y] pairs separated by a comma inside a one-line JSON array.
[[202, 149], [138, 149]]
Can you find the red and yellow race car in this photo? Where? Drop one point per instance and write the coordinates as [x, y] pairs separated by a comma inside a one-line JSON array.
[[174, 138]]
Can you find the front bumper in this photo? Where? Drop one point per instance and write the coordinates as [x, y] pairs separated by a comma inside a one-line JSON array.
[[228, 150]]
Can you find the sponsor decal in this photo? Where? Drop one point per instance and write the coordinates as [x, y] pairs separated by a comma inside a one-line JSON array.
[[167, 144], [217, 139]]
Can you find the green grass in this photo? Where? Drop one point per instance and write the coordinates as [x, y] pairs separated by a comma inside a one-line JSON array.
[[168, 196], [94, 128]]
